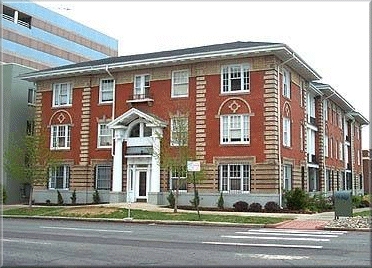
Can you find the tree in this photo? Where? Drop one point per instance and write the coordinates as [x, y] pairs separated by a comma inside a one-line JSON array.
[[174, 151], [28, 161]]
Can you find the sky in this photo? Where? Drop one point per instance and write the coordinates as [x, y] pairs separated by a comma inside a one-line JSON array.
[[330, 36]]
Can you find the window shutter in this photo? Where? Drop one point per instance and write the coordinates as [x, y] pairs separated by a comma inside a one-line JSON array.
[[218, 178], [68, 175], [48, 176], [95, 177]]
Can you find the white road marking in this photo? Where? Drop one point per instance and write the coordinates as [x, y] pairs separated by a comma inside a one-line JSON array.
[[286, 234], [276, 257], [298, 232], [84, 229], [25, 242], [263, 245], [277, 238]]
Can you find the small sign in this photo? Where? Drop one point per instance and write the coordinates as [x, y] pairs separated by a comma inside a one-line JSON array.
[[193, 165]]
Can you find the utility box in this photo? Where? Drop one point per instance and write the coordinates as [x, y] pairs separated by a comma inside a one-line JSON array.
[[343, 204]]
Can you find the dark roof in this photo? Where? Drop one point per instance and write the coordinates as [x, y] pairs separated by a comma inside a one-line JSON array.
[[168, 53]]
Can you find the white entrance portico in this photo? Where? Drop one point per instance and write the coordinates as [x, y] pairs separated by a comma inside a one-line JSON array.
[[142, 133]]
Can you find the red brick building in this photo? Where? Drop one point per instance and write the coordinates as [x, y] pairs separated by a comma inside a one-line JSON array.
[[255, 121]]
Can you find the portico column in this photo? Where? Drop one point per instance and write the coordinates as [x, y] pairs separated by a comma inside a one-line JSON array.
[[117, 177], [157, 133]]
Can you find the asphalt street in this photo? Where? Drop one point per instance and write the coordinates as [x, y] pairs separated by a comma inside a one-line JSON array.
[[56, 243]]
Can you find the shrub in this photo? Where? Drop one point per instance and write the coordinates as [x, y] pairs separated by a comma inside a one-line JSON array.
[[365, 203], [3, 194], [296, 199], [272, 206], [241, 206], [96, 198], [320, 203], [220, 202], [60, 198], [255, 207], [356, 200], [47, 202], [171, 199], [73, 197]]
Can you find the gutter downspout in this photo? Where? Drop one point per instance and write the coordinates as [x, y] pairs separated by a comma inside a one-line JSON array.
[[279, 132], [113, 105]]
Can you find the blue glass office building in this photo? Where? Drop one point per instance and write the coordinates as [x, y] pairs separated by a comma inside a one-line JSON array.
[[40, 38]]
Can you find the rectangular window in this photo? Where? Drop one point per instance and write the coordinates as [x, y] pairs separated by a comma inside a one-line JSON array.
[[178, 178], [311, 109], [59, 177], [141, 86], [286, 83], [180, 83], [179, 131], [328, 183], [286, 131], [235, 177], [313, 179], [103, 177], [235, 78], [62, 94], [326, 145], [325, 110], [106, 90], [104, 136], [234, 129], [287, 177], [60, 137], [340, 151], [31, 98]]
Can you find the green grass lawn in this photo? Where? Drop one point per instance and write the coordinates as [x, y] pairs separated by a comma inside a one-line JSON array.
[[121, 213], [366, 213]]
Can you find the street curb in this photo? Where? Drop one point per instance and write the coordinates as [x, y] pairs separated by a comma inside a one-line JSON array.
[[124, 220], [347, 229]]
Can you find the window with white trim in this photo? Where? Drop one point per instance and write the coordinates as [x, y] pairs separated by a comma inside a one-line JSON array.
[[104, 136], [103, 177], [234, 177], [180, 83], [234, 129], [141, 86], [340, 151], [326, 145], [60, 137], [31, 97], [235, 78], [180, 178], [286, 83], [179, 131], [62, 94], [59, 177], [140, 130], [287, 177], [286, 131], [106, 90]]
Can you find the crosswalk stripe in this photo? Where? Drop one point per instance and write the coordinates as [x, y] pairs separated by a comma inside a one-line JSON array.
[[277, 238], [264, 245], [298, 231], [286, 234]]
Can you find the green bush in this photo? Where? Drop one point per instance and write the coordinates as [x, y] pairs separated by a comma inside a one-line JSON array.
[[220, 202], [3, 194], [73, 197], [241, 206], [272, 206], [96, 198], [60, 198], [319, 203], [171, 199], [296, 199], [255, 207]]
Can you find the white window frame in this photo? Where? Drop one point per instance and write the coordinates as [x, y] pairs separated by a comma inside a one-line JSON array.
[[226, 179], [141, 86], [286, 131], [180, 82], [60, 135], [59, 172], [31, 97], [104, 139], [311, 106], [62, 94], [103, 178], [179, 122], [104, 89], [340, 151], [173, 176], [326, 139], [287, 177], [238, 72], [235, 125], [286, 83]]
